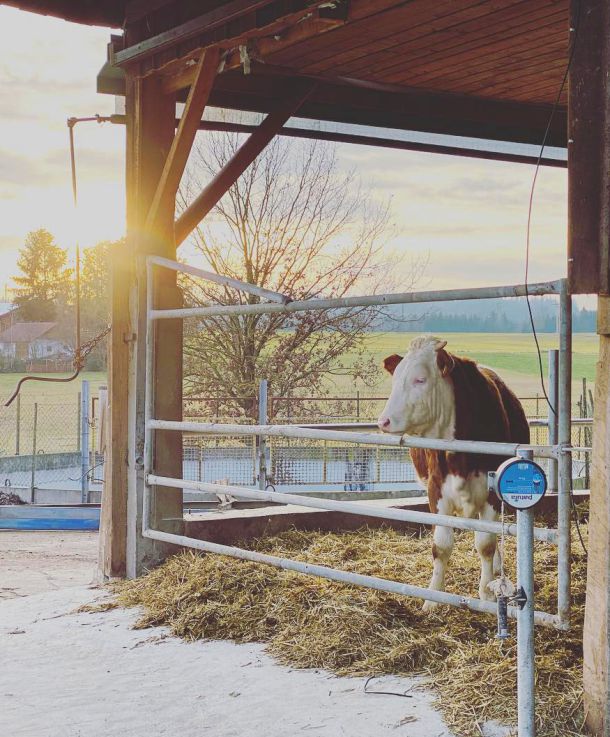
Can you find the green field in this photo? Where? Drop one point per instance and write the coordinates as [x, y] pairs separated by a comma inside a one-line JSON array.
[[513, 355]]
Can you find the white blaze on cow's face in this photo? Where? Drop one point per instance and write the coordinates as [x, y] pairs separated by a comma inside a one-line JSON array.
[[421, 401]]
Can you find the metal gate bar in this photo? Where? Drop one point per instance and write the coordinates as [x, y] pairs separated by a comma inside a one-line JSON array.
[[526, 533]]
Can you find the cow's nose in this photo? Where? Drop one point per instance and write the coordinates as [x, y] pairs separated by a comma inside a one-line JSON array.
[[383, 423]]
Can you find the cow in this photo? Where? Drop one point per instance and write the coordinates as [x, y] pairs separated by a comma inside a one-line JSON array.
[[436, 394]]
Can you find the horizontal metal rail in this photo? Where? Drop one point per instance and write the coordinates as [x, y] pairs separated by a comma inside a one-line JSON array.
[[346, 577], [401, 515], [225, 281], [444, 295], [404, 441]]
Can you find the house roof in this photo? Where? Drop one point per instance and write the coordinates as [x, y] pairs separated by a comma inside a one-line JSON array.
[[26, 332]]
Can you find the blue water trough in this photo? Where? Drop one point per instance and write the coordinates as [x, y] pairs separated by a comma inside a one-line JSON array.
[[50, 517]]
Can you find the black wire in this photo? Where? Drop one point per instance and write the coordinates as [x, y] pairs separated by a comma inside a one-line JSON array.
[[404, 694], [574, 31]]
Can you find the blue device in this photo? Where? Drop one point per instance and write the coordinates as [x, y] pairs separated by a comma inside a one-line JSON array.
[[520, 483]]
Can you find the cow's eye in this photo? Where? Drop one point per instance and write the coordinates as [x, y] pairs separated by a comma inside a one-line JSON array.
[[419, 381]]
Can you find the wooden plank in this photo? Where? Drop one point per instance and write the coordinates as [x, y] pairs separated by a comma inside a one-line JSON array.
[[480, 45], [233, 169], [165, 194]]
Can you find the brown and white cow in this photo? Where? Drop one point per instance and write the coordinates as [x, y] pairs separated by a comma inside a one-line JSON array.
[[436, 394]]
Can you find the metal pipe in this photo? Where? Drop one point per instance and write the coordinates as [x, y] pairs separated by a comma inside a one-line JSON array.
[[347, 577], [18, 425], [553, 357], [226, 281], [148, 398], [262, 445], [404, 441], [442, 295], [84, 444], [525, 621], [565, 459], [402, 515], [33, 467]]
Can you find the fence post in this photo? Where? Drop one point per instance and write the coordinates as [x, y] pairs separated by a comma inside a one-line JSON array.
[[17, 424], [78, 422], [262, 441], [33, 471], [553, 417], [525, 620], [358, 404], [84, 443]]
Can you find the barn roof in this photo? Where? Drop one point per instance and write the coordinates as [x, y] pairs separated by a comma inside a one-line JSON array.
[[479, 68], [488, 69], [26, 332]]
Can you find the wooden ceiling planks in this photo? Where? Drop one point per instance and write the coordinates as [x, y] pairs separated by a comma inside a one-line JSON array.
[[497, 48]]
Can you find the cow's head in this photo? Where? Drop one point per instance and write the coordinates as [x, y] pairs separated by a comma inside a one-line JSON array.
[[421, 401]]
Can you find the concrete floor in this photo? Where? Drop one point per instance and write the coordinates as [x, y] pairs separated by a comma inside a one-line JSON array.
[[32, 561]]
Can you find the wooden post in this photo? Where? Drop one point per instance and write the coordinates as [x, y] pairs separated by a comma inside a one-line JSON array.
[[150, 132], [596, 645], [589, 239]]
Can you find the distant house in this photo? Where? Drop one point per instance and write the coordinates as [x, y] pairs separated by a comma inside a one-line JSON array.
[[38, 344]]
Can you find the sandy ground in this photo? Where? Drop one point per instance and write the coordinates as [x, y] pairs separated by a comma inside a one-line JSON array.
[[33, 561], [91, 675], [69, 674]]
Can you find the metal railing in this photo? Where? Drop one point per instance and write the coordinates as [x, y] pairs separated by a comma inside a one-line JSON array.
[[558, 454]]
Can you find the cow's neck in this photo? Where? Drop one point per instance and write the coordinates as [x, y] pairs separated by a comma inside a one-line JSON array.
[[444, 412]]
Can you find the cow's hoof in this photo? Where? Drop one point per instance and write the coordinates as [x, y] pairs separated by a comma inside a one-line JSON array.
[[429, 606], [486, 595]]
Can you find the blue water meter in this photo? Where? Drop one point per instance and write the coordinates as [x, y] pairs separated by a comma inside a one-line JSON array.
[[520, 483]]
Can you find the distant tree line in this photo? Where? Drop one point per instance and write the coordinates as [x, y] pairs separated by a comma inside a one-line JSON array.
[[489, 316]]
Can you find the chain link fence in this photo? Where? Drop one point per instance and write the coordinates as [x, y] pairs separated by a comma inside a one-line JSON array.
[[49, 450]]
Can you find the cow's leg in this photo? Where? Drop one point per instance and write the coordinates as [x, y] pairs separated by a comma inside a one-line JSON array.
[[497, 562], [441, 552], [485, 543]]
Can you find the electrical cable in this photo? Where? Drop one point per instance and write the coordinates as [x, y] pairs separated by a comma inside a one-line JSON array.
[[574, 31]]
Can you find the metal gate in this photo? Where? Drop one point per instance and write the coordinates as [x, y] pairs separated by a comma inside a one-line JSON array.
[[558, 455]]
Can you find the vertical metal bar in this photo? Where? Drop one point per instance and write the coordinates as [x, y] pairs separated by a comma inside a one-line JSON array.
[[84, 443], [148, 399], [262, 442], [33, 472], [358, 404], [78, 422], [564, 480], [17, 424], [525, 621], [553, 378]]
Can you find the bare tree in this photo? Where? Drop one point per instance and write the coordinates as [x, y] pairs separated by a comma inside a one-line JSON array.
[[296, 224]]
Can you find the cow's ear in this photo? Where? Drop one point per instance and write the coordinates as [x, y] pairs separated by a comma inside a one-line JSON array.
[[390, 363], [444, 361]]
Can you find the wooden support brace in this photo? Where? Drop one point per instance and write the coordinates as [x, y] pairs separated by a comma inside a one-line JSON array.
[[203, 81], [238, 163]]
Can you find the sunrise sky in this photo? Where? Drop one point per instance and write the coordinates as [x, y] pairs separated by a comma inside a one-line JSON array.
[[468, 215]]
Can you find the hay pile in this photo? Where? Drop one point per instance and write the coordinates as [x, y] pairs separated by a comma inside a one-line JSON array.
[[308, 622]]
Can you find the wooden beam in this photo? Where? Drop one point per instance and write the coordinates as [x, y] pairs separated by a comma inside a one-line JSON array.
[[203, 81], [204, 23], [241, 160], [589, 150]]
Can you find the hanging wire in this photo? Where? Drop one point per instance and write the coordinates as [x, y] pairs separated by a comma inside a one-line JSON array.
[[80, 351], [574, 33]]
